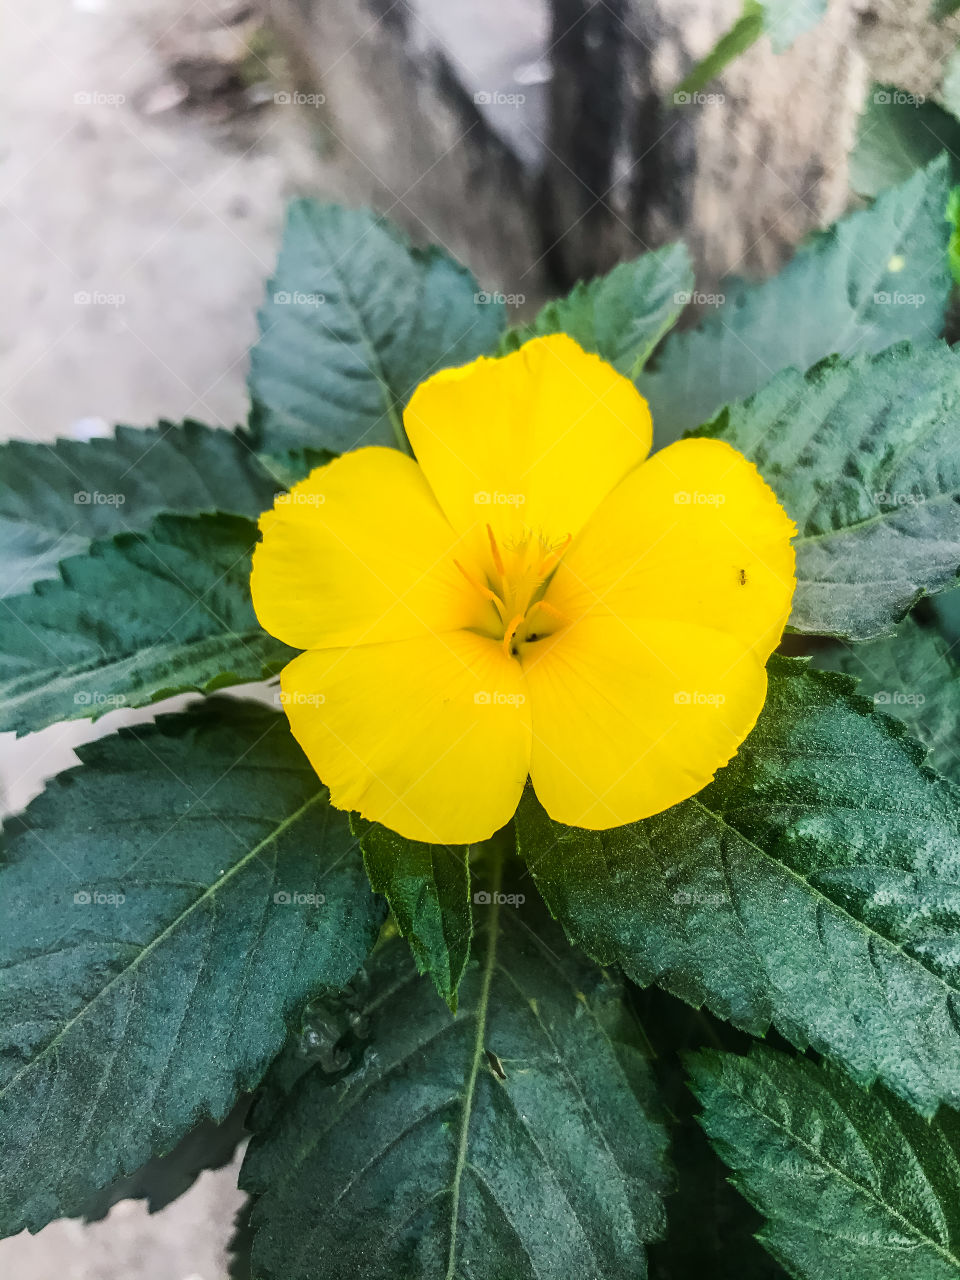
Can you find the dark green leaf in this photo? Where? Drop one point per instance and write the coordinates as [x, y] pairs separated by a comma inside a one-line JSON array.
[[863, 455], [354, 319], [55, 498], [710, 1228], [141, 616], [812, 885], [166, 1177], [823, 302], [519, 1139], [915, 675], [744, 33], [621, 316], [896, 136], [168, 906], [853, 1184], [428, 889]]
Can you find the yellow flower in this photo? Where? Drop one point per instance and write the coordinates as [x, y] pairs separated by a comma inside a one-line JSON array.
[[527, 597]]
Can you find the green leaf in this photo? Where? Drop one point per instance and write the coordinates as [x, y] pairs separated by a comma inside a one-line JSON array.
[[622, 315], [55, 498], [896, 136], [823, 302], [166, 1177], [953, 221], [863, 455], [811, 885], [519, 1139], [354, 319], [169, 906], [140, 617], [915, 675], [853, 1184], [744, 33], [710, 1228], [428, 889]]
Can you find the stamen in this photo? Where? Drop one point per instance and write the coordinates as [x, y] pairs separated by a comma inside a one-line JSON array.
[[478, 585], [549, 608], [495, 551], [552, 558], [510, 632]]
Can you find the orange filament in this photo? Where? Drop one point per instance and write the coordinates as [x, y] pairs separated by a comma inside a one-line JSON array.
[[510, 632], [478, 585], [495, 551]]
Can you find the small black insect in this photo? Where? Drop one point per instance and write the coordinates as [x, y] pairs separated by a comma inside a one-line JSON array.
[[743, 577], [496, 1066]]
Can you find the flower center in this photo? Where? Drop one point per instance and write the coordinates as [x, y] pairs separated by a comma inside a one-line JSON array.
[[516, 585]]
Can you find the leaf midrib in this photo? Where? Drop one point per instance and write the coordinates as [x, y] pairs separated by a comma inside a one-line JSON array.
[[817, 1157], [151, 946], [376, 364], [818, 893], [811, 539], [483, 1002]]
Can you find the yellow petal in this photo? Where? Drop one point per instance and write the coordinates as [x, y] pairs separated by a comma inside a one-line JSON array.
[[529, 443], [694, 535], [359, 553], [628, 719], [429, 736]]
